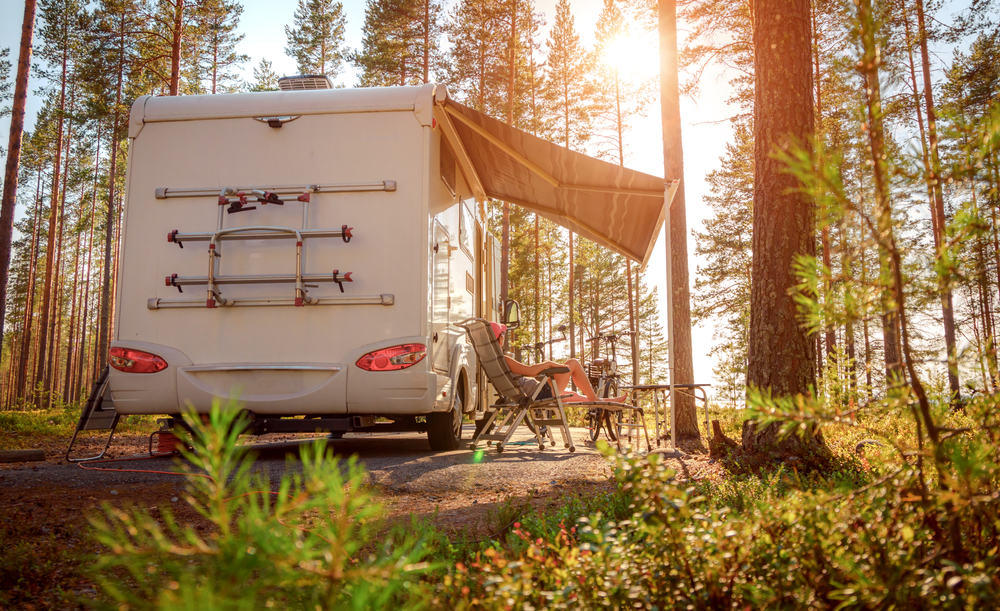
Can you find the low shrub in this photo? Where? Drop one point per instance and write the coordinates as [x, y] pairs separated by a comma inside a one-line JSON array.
[[308, 545], [782, 541]]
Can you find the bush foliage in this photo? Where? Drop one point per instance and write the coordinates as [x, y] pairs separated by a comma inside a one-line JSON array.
[[306, 545]]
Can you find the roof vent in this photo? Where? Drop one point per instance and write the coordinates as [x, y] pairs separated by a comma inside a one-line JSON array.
[[305, 82]]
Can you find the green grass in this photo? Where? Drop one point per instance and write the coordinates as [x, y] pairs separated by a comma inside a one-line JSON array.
[[26, 428]]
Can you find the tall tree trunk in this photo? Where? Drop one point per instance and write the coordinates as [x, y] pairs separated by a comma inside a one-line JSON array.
[[934, 177], [864, 328], [71, 352], [890, 300], [828, 335], [505, 246], [10, 176], [50, 254], [427, 41], [538, 288], [29, 299], [55, 332], [177, 34], [847, 269], [673, 162], [634, 337], [104, 327], [85, 317], [784, 223]]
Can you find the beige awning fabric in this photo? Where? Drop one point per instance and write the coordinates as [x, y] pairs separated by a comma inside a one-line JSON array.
[[615, 207]]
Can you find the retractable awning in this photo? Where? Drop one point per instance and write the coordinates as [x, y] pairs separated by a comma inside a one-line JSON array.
[[613, 206]]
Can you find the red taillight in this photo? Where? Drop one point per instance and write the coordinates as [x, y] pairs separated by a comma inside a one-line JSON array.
[[136, 361], [393, 359]]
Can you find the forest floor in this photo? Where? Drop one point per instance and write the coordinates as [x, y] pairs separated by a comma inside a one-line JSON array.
[[44, 528]]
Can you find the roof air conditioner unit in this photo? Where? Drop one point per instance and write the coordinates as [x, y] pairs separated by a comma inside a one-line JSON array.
[[305, 82]]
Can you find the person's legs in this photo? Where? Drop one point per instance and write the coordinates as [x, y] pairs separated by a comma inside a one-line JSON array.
[[578, 375]]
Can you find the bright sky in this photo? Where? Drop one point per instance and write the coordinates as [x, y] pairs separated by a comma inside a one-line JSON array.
[[704, 130]]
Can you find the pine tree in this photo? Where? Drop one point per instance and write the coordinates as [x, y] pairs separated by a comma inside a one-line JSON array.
[[475, 66], [317, 38], [60, 38], [620, 93], [401, 44], [114, 75], [216, 25], [264, 76], [784, 219], [566, 96]]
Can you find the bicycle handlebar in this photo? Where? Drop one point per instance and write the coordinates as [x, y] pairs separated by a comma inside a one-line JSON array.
[[611, 336]]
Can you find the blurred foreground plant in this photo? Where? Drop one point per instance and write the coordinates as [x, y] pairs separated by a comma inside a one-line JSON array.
[[308, 545]]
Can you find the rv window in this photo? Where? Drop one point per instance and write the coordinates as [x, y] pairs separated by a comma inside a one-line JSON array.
[[467, 226], [448, 167]]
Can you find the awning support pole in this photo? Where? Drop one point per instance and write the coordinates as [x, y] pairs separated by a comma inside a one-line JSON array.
[[670, 317]]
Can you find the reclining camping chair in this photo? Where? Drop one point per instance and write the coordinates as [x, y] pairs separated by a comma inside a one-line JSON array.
[[516, 404]]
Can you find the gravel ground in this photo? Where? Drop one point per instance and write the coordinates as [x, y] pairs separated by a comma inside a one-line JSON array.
[[454, 488]]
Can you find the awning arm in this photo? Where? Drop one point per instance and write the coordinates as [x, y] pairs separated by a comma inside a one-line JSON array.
[[464, 162], [527, 163]]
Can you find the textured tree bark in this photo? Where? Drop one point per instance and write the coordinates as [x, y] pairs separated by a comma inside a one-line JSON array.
[[781, 354], [177, 34], [9, 198], [673, 168]]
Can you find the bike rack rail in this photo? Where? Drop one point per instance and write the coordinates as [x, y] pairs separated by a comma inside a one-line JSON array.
[[265, 196]]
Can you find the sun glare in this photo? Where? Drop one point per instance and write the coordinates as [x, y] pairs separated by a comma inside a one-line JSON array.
[[630, 55]]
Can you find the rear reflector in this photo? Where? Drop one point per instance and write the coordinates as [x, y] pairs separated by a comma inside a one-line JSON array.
[[135, 361], [393, 359]]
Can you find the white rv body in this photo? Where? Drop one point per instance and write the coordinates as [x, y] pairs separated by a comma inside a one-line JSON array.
[[370, 160]]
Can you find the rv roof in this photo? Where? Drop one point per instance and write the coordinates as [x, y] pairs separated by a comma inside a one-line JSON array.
[[149, 109]]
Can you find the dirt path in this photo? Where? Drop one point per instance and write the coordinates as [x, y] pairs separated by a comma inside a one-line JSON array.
[[412, 479]]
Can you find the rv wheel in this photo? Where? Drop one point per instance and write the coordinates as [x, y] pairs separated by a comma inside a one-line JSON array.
[[444, 429]]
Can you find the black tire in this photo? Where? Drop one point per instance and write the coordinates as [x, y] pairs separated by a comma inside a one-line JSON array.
[[611, 390], [444, 429]]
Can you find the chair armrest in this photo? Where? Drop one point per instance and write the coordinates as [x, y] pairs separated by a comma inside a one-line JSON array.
[[553, 370]]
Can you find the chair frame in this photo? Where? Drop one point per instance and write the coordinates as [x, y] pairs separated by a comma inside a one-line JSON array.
[[516, 405]]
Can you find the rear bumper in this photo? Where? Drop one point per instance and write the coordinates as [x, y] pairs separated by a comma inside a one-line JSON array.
[[285, 389]]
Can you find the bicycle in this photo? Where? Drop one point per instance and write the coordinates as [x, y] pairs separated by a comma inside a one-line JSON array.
[[539, 348], [604, 377]]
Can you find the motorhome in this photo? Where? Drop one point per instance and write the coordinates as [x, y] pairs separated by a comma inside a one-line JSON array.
[[309, 251]]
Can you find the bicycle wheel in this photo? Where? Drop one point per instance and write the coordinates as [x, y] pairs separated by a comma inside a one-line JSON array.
[[594, 422], [610, 423]]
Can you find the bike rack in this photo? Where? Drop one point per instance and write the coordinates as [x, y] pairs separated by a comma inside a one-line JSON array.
[[237, 199]]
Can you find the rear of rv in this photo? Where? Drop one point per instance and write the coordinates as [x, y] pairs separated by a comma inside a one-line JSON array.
[[277, 247]]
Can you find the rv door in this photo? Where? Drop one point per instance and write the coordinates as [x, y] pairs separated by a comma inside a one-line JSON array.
[[440, 298]]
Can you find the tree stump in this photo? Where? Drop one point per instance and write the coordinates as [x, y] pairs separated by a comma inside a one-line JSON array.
[[720, 445]]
